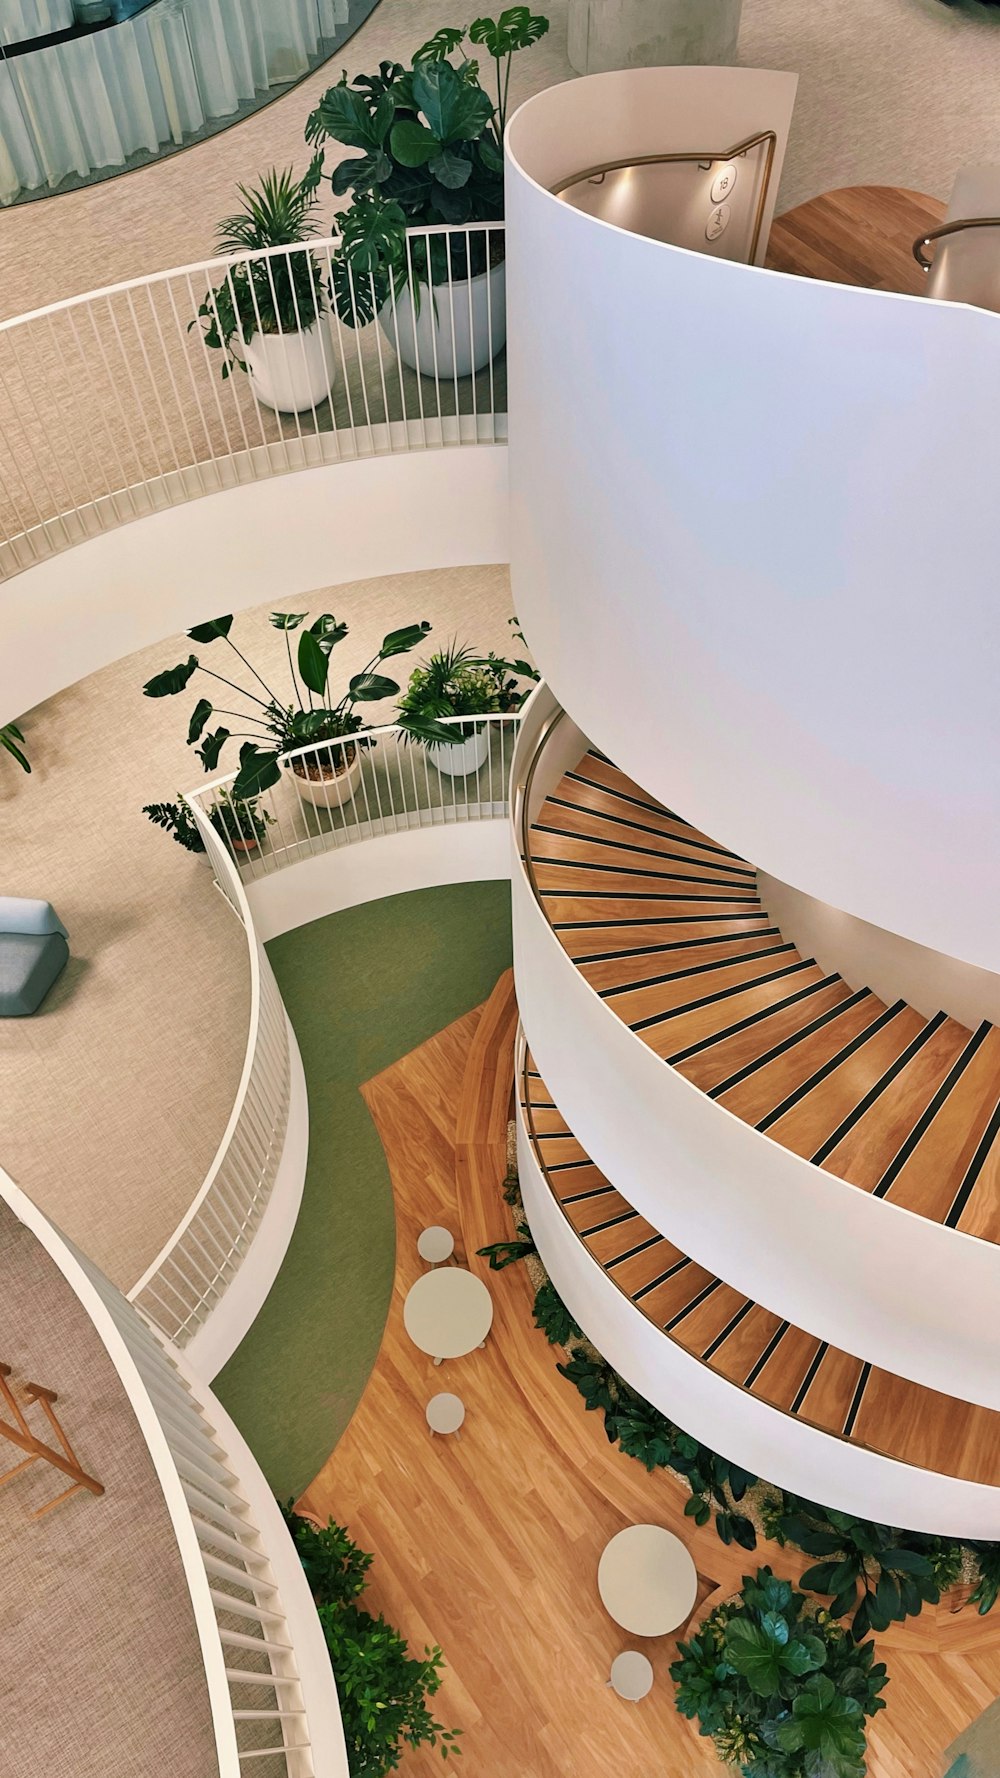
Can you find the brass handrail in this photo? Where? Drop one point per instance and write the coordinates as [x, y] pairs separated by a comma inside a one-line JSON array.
[[657, 160], [522, 798], [949, 228]]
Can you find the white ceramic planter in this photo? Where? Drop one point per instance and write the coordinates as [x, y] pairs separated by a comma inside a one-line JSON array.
[[459, 327], [606, 34], [328, 792], [291, 371], [458, 760]]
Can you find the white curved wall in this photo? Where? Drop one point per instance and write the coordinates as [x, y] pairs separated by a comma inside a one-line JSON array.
[[903, 1292], [268, 540], [761, 1439], [752, 548]]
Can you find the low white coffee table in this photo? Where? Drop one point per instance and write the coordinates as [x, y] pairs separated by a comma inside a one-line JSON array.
[[647, 1580], [448, 1312]]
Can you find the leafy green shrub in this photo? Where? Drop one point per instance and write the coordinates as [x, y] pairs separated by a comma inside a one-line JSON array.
[[553, 1317], [282, 293], [383, 1689], [783, 1693], [876, 1574]]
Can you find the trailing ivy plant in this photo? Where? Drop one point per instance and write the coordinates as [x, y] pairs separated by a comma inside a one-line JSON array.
[[382, 1688], [782, 1690]]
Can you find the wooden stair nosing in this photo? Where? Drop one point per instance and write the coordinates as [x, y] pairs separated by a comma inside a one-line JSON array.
[[679, 944], [676, 1012], [696, 969], [727, 871], [755, 1018], [645, 827], [878, 1087], [822, 1074], [930, 1112]]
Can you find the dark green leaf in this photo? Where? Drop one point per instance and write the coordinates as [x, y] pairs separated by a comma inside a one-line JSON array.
[[211, 748], [258, 771], [451, 170], [822, 1577], [314, 663], [168, 684], [401, 641], [517, 28], [440, 45], [210, 632], [369, 688], [455, 110], [905, 1562], [412, 143], [288, 620], [199, 716]]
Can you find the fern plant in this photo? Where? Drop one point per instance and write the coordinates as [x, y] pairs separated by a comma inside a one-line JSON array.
[[281, 293]]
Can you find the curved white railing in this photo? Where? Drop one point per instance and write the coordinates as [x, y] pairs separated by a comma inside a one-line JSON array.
[[754, 503], [114, 406], [270, 1684], [192, 1272], [768, 1442], [393, 787], [875, 1280]]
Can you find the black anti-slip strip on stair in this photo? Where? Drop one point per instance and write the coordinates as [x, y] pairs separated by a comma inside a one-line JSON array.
[[820, 1074], [595, 753], [681, 944], [730, 1327], [679, 839], [679, 975], [631, 1252], [675, 1320], [810, 1375], [754, 1018], [768, 1352], [676, 1012], [973, 1170], [613, 1222], [740, 901], [875, 1092], [781, 1049], [598, 1191], [544, 1105], [566, 1166], [641, 802], [855, 1407], [554, 1136], [927, 1116], [617, 870], [660, 920], [592, 839], [654, 1284]]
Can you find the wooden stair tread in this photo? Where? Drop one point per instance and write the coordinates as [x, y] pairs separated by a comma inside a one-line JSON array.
[[931, 1177], [864, 1153], [769, 1084], [807, 1125], [666, 925], [787, 1367]]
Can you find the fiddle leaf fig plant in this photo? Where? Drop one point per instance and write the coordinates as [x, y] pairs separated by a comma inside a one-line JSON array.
[[279, 724]]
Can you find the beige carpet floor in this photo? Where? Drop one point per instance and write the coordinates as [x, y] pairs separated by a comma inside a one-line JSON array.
[[116, 1093], [898, 92]]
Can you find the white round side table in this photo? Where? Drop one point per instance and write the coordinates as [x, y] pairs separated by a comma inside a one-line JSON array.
[[445, 1413], [448, 1312], [631, 1676], [435, 1245], [647, 1580]]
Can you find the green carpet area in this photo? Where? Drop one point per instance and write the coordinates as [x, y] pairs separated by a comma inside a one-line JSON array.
[[362, 988]]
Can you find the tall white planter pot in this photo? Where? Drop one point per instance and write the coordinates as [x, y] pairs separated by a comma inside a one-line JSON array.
[[291, 371], [458, 328], [461, 758], [606, 34]]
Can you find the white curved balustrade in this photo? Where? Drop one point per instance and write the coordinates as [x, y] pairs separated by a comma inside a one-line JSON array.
[[750, 542], [760, 1438], [271, 1687], [896, 1289], [115, 408]]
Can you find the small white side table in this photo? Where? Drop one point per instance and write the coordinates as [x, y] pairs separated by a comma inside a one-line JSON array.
[[448, 1312], [631, 1676], [647, 1580], [435, 1245], [445, 1413]]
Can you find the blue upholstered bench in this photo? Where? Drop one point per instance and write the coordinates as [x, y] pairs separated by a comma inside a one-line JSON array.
[[33, 952]]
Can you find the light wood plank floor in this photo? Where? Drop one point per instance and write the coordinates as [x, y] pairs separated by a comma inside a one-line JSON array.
[[863, 234], [489, 1544]]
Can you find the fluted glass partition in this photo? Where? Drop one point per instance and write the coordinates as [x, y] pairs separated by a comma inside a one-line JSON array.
[[82, 102]]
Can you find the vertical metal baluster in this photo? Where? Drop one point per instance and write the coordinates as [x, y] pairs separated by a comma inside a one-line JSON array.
[[412, 287]]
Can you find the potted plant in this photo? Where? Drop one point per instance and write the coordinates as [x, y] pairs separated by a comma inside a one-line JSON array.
[[265, 315], [457, 682], [431, 154], [241, 824], [280, 726], [781, 1688]]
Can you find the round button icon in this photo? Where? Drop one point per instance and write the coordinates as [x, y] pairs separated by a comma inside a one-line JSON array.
[[723, 183], [718, 222]]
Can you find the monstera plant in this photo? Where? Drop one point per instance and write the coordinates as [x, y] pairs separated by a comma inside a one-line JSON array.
[[280, 724], [428, 142], [782, 1690]]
